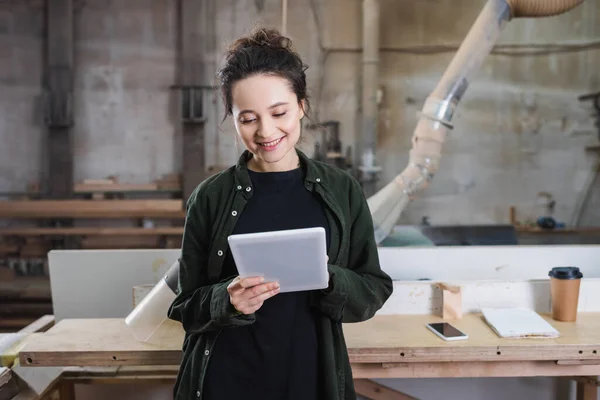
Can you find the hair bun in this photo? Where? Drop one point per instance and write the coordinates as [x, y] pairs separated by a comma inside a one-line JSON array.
[[263, 37]]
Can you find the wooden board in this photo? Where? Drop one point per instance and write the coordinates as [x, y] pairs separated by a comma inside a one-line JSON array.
[[91, 209], [92, 231], [383, 339], [470, 369], [114, 187]]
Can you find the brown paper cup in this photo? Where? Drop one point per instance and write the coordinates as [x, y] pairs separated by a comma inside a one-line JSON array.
[[564, 289]]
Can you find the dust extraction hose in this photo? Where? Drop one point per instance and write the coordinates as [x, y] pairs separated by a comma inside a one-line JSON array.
[[540, 8], [435, 119], [434, 124]]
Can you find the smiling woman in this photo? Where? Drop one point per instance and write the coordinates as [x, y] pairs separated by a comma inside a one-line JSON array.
[[267, 118], [263, 86], [244, 339]]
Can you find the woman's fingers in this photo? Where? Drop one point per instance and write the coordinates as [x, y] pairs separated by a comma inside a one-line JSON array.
[[239, 284], [260, 298], [248, 294]]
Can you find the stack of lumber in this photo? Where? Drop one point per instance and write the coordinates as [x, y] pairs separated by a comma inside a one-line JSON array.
[[110, 186], [23, 300]]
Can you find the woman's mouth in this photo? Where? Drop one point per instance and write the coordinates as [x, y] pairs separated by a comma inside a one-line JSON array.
[[269, 146]]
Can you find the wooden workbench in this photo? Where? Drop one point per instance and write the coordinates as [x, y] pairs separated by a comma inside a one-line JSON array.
[[397, 346]]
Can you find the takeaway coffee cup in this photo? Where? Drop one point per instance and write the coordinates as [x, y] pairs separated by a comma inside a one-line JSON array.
[[564, 289]]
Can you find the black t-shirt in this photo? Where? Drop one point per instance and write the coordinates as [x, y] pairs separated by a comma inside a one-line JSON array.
[[276, 357]]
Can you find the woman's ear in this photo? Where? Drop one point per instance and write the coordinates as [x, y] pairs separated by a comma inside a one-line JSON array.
[[302, 105]]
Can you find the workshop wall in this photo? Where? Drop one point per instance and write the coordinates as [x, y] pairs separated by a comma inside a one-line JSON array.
[[21, 65], [500, 153]]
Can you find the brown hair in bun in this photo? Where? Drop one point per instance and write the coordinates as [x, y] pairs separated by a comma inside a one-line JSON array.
[[265, 51]]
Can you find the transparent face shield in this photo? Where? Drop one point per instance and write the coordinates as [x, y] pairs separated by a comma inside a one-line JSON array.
[[150, 314]]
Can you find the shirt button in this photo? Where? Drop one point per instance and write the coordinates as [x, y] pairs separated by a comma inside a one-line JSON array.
[[239, 188], [318, 179], [198, 393], [206, 352], [234, 213], [220, 253], [248, 189]]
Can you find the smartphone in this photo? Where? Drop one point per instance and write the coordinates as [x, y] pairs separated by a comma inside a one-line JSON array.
[[447, 331]]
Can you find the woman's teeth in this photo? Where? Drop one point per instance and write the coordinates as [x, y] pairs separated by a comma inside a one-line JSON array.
[[271, 144]]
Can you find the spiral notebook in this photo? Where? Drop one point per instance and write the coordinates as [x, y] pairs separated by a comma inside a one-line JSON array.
[[518, 323]]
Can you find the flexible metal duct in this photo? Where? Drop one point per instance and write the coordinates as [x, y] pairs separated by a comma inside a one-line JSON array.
[[435, 120], [540, 8]]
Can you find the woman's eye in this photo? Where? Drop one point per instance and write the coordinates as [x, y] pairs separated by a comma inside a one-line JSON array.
[[279, 115], [247, 121]]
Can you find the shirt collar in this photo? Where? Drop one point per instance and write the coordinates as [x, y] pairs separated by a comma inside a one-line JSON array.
[[243, 178]]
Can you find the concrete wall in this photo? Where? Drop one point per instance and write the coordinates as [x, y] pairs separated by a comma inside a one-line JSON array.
[[21, 67], [126, 115]]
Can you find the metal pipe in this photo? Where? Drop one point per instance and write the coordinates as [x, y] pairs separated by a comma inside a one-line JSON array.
[[284, 12], [370, 79]]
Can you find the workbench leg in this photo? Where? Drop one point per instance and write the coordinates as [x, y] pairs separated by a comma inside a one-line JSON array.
[[374, 391], [67, 390], [587, 388]]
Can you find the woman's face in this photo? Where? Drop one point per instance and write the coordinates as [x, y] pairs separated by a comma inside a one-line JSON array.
[[267, 118]]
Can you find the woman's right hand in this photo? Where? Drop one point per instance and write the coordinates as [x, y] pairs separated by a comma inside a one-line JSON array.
[[248, 294]]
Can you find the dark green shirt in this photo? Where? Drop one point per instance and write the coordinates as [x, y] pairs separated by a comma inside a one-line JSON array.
[[358, 286]]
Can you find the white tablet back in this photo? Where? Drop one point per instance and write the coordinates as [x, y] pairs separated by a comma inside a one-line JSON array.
[[296, 258]]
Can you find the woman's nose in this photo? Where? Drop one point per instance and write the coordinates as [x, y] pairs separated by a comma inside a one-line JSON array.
[[267, 128]]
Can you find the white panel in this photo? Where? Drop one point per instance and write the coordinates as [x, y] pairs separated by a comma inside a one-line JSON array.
[[487, 262], [99, 283], [426, 298]]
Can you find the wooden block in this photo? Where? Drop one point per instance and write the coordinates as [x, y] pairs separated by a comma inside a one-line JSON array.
[[451, 301]]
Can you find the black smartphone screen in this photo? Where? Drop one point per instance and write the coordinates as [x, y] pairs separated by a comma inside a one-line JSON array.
[[446, 329]]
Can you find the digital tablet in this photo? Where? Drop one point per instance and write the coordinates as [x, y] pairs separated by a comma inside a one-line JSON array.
[[295, 258]]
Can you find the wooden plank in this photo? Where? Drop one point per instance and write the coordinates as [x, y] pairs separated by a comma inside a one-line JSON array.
[[578, 362], [158, 208], [470, 369], [15, 323], [375, 391], [42, 324], [25, 289], [402, 338], [92, 231], [121, 242], [383, 339], [22, 309], [114, 187]]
